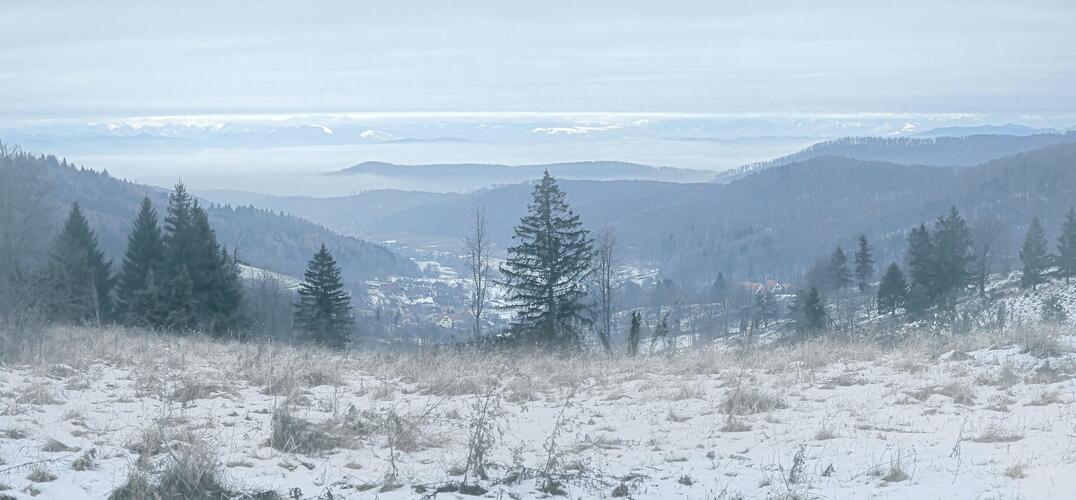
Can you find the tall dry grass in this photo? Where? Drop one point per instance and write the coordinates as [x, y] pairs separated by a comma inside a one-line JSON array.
[[285, 369]]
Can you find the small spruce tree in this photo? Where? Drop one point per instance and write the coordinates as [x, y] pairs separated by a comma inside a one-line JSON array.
[[1066, 247], [1034, 256], [953, 258], [809, 311], [1053, 311], [864, 263], [893, 291], [840, 276], [920, 262], [323, 312]]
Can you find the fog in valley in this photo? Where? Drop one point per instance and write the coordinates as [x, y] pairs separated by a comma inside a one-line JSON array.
[[716, 250]]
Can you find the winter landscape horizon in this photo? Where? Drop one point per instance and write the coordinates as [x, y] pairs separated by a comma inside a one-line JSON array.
[[479, 249]]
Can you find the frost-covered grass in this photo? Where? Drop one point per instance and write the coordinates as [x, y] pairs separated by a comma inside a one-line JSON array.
[[89, 412]]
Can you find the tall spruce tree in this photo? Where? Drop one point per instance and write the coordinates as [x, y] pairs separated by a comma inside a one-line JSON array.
[[200, 289], [136, 291], [546, 269], [214, 278], [953, 258], [893, 291], [1066, 247], [177, 284], [864, 263], [81, 279], [839, 274], [1034, 256], [323, 313]]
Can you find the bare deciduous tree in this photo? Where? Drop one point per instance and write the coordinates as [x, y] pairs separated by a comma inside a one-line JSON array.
[[25, 226], [605, 282], [986, 234], [478, 262]]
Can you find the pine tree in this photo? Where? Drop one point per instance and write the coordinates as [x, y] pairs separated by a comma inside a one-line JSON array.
[[546, 269], [953, 258], [893, 291], [864, 263], [921, 262], [177, 302], [323, 313], [178, 237], [81, 279], [201, 282], [810, 311], [1066, 247], [1053, 311], [840, 276], [214, 278], [1034, 256], [141, 267]]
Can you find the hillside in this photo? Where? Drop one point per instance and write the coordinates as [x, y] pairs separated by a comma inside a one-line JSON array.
[[778, 220], [351, 215], [984, 415], [265, 239], [962, 151]]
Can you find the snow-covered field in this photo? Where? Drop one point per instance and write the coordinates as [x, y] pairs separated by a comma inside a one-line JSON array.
[[988, 415]]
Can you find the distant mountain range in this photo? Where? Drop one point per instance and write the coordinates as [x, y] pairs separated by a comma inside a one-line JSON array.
[[1005, 129], [935, 151], [481, 174]]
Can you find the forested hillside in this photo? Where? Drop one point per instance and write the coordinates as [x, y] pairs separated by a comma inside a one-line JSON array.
[[265, 239], [778, 220]]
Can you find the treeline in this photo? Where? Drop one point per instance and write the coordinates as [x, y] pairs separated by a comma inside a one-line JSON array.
[[941, 266], [175, 276]]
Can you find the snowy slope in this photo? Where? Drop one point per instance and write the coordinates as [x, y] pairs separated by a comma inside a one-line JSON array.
[[925, 420]]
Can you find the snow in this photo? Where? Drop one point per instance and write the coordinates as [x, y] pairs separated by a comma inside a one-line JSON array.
[[251, 273], [957, 424]]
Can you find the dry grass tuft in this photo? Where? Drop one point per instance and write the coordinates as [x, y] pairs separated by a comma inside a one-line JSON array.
[[749, 401]]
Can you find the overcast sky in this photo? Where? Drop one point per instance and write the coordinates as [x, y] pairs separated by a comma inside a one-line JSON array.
[[94, 59]]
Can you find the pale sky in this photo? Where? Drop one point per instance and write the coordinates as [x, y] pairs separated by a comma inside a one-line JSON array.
[[93, 59]]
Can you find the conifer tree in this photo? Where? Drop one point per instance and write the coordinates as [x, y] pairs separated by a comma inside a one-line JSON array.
[[201, 282], [1066, 247], [953, 258], [864, 263], [323, 313], [1034, 256], [921, 263], [214, 278], [178, 238], [809, 311], [546, 269], [81, 279], [177, 302], [893, 291], [136, 285], [840, 276]]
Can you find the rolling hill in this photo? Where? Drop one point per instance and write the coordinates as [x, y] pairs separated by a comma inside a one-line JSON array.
[[273, 241]]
